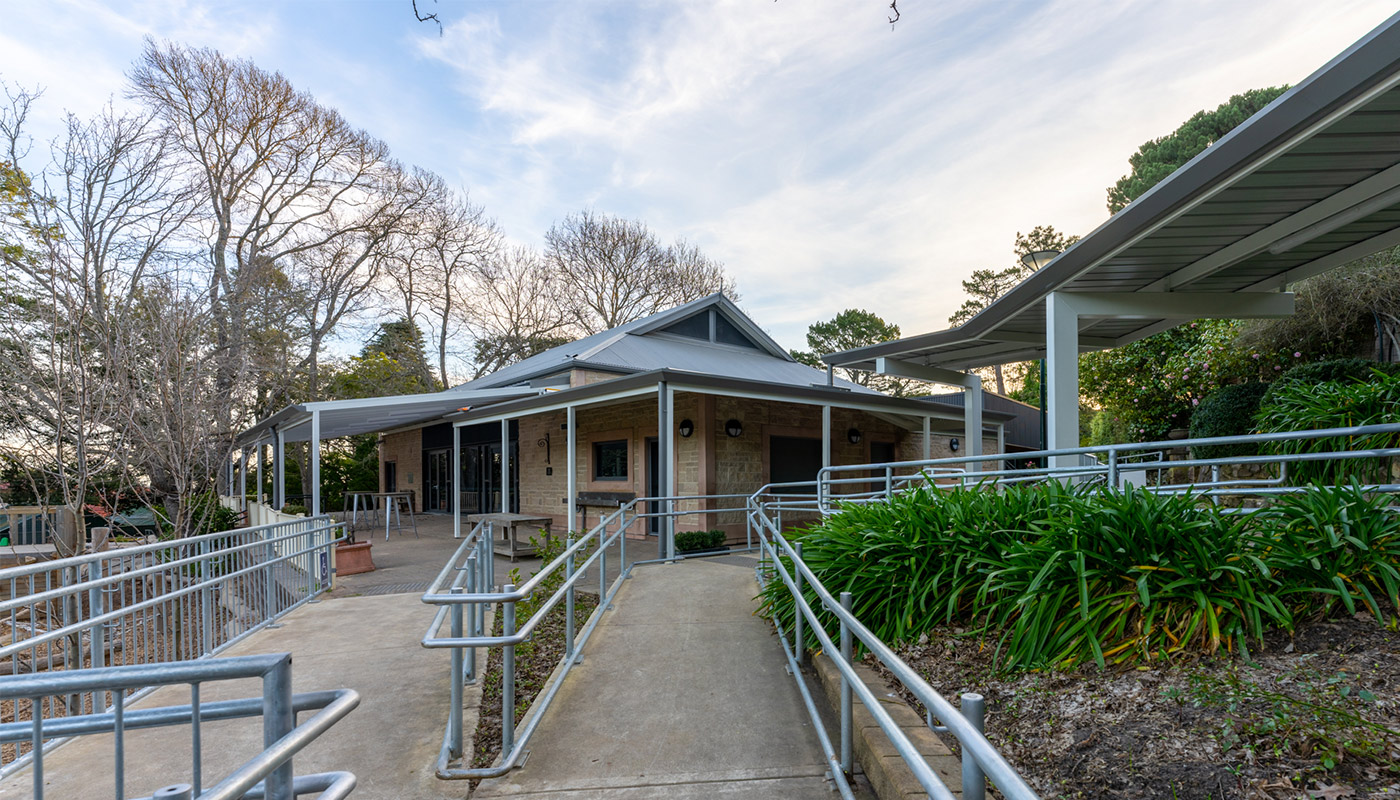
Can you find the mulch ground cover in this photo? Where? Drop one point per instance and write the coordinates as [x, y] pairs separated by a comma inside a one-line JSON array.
[[1315, 715], [535, 660]]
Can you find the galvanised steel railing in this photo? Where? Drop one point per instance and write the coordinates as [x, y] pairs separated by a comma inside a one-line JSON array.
[[267, 775], [159, 603], [1142, 464], [465, 591], [782, 560]]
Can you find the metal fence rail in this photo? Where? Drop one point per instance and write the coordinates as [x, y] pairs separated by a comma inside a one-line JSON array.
[[465, 589], [154, 604], [268, 775], [1140, 464], [782, 561]]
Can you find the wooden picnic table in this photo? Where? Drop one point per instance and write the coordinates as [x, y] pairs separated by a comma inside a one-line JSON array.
[[504, 539]]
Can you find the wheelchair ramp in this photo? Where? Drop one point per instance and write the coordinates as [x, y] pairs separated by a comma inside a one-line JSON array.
[[683, 693]]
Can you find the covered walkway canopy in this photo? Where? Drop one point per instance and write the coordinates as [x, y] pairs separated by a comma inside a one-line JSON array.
[[332, 419], [1309, 183]]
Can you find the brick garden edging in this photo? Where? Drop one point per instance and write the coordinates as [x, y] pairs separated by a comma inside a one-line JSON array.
[[890, 777]]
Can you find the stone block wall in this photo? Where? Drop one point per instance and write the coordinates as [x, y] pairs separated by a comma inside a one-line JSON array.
[[405, 449]]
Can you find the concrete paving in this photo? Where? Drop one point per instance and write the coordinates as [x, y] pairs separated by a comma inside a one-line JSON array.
[[390, 742], [683, 693]]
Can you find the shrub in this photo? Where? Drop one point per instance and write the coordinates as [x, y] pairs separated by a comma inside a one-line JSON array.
[[1054, 576], [294, 509], [1297, 405], [1229, 411], [698, 541], [1343, 370], [1332, 546]]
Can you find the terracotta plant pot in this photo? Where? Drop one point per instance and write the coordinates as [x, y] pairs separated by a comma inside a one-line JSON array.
[[353, 559]]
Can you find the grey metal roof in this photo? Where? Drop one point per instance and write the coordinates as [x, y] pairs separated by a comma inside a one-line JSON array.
[[641, 346], [371, 414], [627, 388], [1310, 182]]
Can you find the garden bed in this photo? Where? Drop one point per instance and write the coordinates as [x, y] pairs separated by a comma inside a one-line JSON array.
[[535, 660], [1304, 720]]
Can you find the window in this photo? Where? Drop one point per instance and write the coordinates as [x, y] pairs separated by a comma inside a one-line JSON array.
[[610, 460]]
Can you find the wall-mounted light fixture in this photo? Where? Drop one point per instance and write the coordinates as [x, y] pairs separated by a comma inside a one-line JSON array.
[[953, 444], [686, 428], [734, 428], [853, 435]]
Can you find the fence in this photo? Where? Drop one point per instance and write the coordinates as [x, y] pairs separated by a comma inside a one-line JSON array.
[[267, 775], [41, 526], [153, 604], [1145, 464]]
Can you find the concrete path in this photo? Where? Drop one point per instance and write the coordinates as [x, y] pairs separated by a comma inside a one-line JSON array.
[[390, 742], [683, 693]]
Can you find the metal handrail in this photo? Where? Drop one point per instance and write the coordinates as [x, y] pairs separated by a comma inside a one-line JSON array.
[[984, 756], [466, 586], [269, 774], [164, 603], [1117, 462]]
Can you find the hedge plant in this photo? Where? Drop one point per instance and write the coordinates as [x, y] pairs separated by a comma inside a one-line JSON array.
[[1300, 405], [1229, 411], [1053, 577]]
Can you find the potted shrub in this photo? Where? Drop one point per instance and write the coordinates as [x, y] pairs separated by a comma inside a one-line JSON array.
[[352, 557]]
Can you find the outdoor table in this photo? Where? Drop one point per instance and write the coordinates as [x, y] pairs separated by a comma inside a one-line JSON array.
[[507, 544], [390, 503]]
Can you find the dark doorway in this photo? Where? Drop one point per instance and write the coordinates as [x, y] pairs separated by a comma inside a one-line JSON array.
[[793, 459], [880, 453], [481, 478], [653, 484], [437, 484], [391, 476]]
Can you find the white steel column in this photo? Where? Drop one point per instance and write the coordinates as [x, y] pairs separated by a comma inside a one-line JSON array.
[[456, 482], [243, 478], [972, 415], [279, 469], [1062, 376], [928, 438], [315, 463], [505, 466], [826, 436], [262, 454], [571, 469], [1001, 438], [666, 449]]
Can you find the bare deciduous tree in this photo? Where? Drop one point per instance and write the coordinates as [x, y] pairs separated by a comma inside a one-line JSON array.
[[615, 270]]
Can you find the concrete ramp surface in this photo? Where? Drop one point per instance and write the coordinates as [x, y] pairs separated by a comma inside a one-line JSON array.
[[683, 693]]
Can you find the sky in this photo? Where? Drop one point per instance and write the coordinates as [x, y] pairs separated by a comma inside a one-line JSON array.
[[829, 159]]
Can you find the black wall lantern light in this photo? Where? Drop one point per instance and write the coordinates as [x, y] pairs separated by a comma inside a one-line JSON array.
[[853, 435], [734, 428], [686, 428], [953, 444]]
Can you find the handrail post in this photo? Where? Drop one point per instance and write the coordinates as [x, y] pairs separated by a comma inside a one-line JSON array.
[[508, 675], [846, 760], [454, 709], [798, 634], [271, 593], [1113, 468], [889, 483], [569, 600], [472, 629], [974, 783], [278, 720], [206, 601]]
